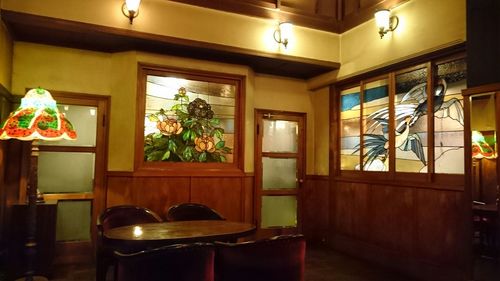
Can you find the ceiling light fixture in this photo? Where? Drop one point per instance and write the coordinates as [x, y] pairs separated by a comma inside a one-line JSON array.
[[385, 22], [130, 9]]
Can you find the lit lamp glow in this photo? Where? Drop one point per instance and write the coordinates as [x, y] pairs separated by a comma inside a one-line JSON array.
[[385, 22], [283, 33], [37, 118], [137, 231], [130, 9]]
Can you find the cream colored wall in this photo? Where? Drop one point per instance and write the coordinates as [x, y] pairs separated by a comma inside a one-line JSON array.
[[425, 26], [288, 95], [189, 22], [80, 71], [320, 101], [5, 56]]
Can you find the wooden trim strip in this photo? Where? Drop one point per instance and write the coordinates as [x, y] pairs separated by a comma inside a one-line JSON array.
[[448, 186], [54, 148], [69, 196]]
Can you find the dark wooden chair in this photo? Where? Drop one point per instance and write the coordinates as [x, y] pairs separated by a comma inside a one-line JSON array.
[[180, 262], [192, 211], [279, 258], [112, 217]]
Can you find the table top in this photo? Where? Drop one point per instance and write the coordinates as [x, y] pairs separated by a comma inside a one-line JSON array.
[[181, 231]]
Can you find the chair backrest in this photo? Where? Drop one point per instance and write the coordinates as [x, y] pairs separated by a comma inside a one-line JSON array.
[[180, 262], [192, 211], [279, 258], [125, 215]]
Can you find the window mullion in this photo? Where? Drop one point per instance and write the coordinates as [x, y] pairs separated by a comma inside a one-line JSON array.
[[430, 121]]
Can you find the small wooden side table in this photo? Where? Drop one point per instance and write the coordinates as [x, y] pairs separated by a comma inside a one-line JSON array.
[[45, 239]]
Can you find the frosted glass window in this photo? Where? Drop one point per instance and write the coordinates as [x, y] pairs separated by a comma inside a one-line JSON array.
[[375, 128], [279, 211], [449, 118], [65, 172], [280, 136], [349, 128], [411, 121], [84, 119], [73, 220], [279, 173]]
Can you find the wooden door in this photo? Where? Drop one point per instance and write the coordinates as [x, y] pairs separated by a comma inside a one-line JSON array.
[[72, 173], [279, 171]]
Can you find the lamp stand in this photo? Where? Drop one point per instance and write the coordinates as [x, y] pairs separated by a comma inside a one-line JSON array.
[[30, 246]]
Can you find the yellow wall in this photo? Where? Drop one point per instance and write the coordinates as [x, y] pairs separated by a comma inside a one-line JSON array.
[[5, 56], [189, 22], [288, 95], [80, 71], [424, 26]]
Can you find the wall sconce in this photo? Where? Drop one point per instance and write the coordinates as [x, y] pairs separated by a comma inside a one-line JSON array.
[[385, 22], [130, 9], [283, 32]]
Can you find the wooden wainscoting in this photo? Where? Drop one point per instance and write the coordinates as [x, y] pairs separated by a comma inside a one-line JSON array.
[[315, 196], [417, 230], [231, 196]]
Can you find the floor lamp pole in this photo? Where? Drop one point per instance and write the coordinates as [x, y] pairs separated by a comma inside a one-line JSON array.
[[31, 215]]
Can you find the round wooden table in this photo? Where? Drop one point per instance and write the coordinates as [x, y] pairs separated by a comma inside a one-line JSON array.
[[152, 235]]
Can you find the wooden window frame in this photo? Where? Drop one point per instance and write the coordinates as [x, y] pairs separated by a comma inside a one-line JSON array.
[[144, 168], [430, 178]]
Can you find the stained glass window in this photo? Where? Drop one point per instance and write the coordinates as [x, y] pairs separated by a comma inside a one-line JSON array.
[[350, 128], [410, 121], [375, 128], [395, 110], [449, 117]]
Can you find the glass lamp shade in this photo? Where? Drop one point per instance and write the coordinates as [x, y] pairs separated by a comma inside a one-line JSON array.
[[133, 5], [37, 118], [382, 18], [481, 148]]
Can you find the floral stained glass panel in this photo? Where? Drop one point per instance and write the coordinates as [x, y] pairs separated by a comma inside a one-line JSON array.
[[189, 120], [349, 128], [410, 117], [449, 118]]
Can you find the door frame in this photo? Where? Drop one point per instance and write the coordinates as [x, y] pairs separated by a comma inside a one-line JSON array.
[[301, 167], [468, 214]]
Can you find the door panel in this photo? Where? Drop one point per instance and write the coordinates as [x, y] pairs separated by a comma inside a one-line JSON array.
[[72, 172], [279, 171]]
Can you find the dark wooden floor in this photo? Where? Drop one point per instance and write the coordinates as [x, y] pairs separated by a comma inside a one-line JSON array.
[[321, 265]]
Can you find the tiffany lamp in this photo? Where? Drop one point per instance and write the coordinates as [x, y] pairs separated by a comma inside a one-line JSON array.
[[37, 118]]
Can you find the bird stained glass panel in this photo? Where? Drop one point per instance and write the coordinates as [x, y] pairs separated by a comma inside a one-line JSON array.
[[375, 126], [449, 118], [410, 121], [349, 128]]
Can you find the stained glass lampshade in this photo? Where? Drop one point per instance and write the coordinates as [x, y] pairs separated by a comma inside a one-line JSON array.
[[480, 147], [37, 118]]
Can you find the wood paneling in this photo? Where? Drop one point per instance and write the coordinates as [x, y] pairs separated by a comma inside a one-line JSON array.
[[230, 196], [351, 215], [391, 223], [417, 230], [221, 194], [157, 194], [315, 208], [439, 226]]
